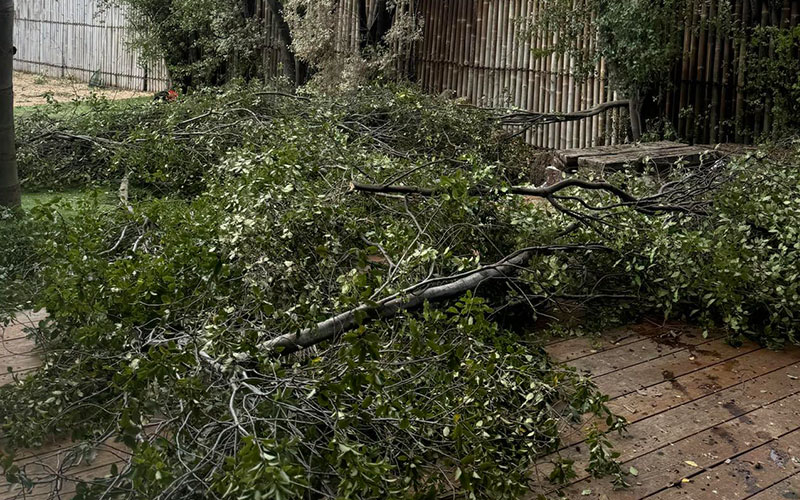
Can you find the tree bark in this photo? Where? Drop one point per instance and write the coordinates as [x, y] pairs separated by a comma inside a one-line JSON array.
[[291, 70], [635, 110], [416, 296], [9, 181]]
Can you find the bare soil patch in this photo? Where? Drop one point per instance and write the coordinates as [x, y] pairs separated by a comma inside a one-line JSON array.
[[31, 90]]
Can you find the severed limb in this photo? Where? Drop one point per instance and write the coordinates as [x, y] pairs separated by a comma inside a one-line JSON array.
[[431, 290]]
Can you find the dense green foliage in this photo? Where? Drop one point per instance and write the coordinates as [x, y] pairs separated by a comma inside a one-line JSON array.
[[738, 268], [202, 42], [773, 80], [17, 261], [639, 39], [160, 307]]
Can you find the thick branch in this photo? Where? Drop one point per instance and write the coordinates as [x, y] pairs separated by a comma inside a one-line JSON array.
[[529, 118], [647, 205], [677, 199], [414, 297], [539, 192]]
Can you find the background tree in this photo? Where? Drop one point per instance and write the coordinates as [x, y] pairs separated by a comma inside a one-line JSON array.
[[9, 182], [209, 42], [387, 31], [202, 42]]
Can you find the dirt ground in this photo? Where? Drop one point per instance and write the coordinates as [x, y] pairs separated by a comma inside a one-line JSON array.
[[30, 90]]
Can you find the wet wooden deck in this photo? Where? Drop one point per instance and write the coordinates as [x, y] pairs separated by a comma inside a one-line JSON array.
[[58, 467], [707, 420]]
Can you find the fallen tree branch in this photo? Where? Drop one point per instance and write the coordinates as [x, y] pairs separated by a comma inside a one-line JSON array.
[[528, 119], [648, 205], [521, 118], [414, 297]]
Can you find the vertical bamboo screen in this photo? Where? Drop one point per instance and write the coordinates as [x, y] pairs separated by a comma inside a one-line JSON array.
[[271, 55], [75, 38], [470, 48], [708, 102], [476, 49]]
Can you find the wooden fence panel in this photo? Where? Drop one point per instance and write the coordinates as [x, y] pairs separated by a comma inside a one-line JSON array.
[[78, 39]]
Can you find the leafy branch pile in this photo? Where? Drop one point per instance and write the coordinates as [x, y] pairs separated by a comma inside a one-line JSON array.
[[395, 241]]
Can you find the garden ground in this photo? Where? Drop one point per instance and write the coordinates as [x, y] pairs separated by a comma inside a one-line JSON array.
[[32, 90]]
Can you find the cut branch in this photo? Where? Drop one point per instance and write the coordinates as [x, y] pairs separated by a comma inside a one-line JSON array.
[[415, 296], [647, 205], [528, 119]]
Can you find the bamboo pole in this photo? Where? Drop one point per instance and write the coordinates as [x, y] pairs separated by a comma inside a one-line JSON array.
[[475, 13], [494, 54], [500, 56], [740, 76], [551, 141], [700, 77], [480, 52], [602, 125], [692, 76]]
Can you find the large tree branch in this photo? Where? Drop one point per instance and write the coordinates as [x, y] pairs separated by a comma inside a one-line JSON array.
[[415, 296], [683, 196], [647, 205], [527, 118]]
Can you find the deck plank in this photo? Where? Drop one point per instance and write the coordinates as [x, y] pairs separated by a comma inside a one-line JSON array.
[[677, 398], [642, 403], [789, 489], [668, 367], [744, 476], [709, 380], [581, 347], [646, 349], [652, 433], [667, 466]]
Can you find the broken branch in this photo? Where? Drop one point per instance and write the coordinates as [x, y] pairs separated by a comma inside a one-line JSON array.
[[414, 297]]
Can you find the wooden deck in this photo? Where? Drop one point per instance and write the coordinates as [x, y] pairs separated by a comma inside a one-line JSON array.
[[707, 420], [58, 467]]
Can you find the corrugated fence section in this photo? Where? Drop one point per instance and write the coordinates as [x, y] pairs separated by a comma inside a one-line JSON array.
[[76, 38]]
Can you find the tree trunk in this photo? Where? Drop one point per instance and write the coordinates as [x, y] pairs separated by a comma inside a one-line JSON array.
[[379, 23], [291, 70], [9, 182], [635, 108]]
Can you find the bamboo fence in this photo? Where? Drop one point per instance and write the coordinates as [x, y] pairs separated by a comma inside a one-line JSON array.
[[472, 49]]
